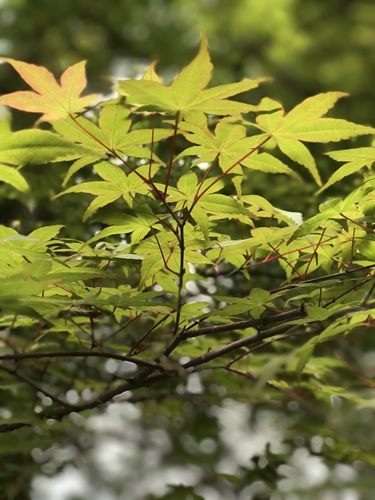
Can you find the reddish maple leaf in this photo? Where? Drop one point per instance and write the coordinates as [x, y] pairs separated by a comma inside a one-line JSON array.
[[55, 101]]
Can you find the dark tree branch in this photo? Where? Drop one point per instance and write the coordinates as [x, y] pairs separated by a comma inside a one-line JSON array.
[[300, 312], [35, 385], [80, 354], [148, 377], [13, 427]]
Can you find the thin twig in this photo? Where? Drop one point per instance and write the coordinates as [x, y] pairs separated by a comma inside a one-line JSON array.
[[17, 373]]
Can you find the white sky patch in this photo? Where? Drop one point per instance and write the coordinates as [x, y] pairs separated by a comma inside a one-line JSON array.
[[204, 165]]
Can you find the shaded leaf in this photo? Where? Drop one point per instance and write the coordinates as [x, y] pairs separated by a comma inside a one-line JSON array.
[[11, 176], [38, 146]]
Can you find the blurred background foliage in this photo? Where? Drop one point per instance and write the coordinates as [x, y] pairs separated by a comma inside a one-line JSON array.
[[307, 47]]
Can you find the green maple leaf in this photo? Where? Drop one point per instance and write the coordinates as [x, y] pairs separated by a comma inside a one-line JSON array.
[[32, 146], [164, 252], [231, 146], [116, 184], [111, 136], [187, 92], [304, 124], [354, 159]]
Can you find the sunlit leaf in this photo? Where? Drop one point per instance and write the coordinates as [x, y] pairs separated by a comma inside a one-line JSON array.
[[54, 101], [304, 123], [187, 92], [355, 160]]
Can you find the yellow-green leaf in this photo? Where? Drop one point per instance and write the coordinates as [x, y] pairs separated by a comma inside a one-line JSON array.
[[194, 77], [11, 176], [355, 158]]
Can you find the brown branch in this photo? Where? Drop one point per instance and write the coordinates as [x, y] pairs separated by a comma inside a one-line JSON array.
[[13, 427], [59, 412], [147, 377], [15, 372], [319, 279], [75, 354], [181, 274], [242, 325], [131, 384], [145, 335], [262, 322], [237, 344]]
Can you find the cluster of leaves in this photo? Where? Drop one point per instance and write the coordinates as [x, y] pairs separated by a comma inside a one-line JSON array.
[[145, 291]]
